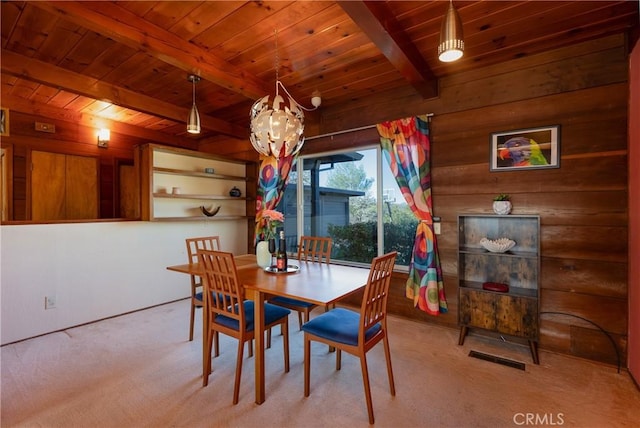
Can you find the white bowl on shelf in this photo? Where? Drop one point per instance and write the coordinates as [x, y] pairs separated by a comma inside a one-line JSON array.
[[497, 245]]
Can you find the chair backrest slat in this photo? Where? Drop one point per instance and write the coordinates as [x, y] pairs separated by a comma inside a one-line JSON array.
[[223, 292], [315, 249], [201, 243], [376, 292]]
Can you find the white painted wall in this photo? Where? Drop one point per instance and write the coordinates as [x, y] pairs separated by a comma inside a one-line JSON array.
[[96, 270]]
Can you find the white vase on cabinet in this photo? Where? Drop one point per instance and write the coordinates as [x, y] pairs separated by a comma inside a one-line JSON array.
[[502, 207]]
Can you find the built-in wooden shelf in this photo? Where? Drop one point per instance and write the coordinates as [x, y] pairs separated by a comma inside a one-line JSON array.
[[175, 185]]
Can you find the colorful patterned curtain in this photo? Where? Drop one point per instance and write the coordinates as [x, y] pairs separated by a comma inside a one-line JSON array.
[[272, 179], [405, 144]]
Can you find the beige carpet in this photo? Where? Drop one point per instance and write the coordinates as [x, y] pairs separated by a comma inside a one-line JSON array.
[[139, 370]]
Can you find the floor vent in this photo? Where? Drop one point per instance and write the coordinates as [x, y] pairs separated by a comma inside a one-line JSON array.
[[497, 360]]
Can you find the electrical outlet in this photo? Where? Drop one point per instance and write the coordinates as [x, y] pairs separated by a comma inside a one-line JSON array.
[[50, 302]]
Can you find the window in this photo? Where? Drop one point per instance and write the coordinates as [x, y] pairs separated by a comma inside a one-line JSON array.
[[352, 197]]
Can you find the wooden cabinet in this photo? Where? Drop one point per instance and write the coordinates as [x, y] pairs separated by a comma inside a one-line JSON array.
[[63, 187], [513, 313], [175, 185]]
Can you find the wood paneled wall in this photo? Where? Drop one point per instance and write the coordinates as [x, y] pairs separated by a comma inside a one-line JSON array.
[[582, 204], [633, 350]]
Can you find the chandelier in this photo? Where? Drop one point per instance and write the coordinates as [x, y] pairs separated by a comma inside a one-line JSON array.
[[277, 130]]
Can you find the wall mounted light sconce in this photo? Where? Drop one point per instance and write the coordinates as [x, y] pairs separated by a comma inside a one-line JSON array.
[[104, 135], [451, 45]]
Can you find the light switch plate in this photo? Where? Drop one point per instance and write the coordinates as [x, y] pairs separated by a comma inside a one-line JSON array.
[[436, 225]]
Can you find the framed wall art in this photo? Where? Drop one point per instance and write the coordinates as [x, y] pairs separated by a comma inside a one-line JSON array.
[[4, 122], [532, 148]]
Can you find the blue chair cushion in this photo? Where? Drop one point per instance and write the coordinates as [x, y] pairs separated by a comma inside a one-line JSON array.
[[272, 313], [340, 325], [289, 301]]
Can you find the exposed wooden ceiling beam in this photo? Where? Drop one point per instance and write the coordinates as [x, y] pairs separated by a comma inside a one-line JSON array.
[[57, 77], [92, 121], [225, 146], [119, 24], [378, 23]]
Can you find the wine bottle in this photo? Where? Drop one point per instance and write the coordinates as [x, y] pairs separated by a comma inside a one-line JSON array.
[[272, 250], [281, 255]]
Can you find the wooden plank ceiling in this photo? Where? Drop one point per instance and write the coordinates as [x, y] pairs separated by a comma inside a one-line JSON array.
[[128, 61]]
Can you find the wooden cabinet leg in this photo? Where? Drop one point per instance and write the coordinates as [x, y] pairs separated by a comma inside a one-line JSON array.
[[463, 333], [533, 345]]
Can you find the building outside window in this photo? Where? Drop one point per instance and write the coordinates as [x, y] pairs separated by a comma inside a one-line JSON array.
[[352, 197]]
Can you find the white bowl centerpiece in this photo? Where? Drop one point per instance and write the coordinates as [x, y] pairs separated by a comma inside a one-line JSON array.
[[497, 245]]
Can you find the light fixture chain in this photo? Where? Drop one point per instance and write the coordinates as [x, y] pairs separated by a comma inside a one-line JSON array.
[[277, 56]]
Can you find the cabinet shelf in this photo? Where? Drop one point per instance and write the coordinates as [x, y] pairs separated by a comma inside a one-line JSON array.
[[513, 291], [207, 197], [483, 252], [201, 218], [186, 173]]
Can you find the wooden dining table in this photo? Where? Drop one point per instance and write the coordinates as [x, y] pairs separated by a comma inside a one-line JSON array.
[[318, 283]]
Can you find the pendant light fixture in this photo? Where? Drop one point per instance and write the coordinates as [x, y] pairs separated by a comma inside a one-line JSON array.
[[451, 45], [277, 130], [193, 125]]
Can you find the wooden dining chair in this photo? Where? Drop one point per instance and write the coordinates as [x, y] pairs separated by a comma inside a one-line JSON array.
[[229, 313], [356, 332], [193, 245], [311, 249]]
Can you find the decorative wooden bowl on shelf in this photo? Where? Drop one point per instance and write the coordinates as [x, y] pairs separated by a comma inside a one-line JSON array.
[[210, 212]]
